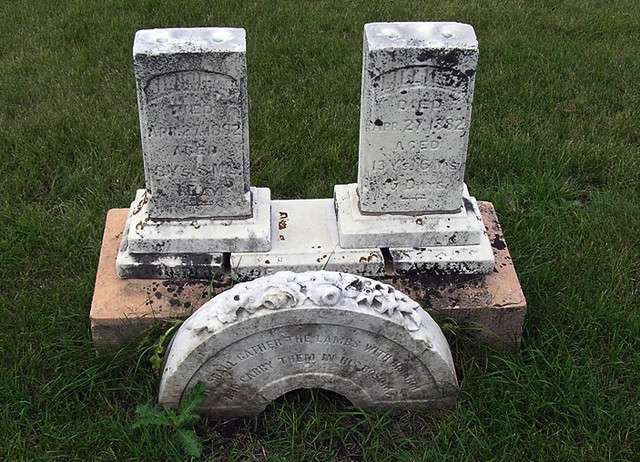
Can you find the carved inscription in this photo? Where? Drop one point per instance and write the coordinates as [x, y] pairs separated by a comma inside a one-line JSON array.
[[194, 139], [417, 89], [320, 329], [416, 135], [257, 360], [409, 77]]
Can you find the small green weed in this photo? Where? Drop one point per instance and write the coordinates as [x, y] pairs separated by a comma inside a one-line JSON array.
[[178, 423], [157, 339]]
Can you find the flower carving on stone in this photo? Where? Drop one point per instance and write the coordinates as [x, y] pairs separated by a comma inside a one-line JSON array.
[[324, 294], [368, 295], [278, 297], [385, 300], [254, 297], [322, 288]]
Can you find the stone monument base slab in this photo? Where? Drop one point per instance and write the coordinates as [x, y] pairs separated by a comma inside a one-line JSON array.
[[200, 235], [189, 248], [122, 309], [452, 259]]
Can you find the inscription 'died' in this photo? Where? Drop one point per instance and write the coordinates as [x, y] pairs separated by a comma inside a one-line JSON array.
[[195, 134]]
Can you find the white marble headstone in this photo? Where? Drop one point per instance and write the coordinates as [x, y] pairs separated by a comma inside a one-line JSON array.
[[409, 212], [192, 98], [341, 332], [417, 91]]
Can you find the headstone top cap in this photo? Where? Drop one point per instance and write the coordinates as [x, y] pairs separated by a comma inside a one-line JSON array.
[[382, 35], [189, 40]]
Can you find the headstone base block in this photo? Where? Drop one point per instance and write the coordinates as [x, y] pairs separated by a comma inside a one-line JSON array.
[[359, 230], [189, 248], [200, 235], [453, 259]]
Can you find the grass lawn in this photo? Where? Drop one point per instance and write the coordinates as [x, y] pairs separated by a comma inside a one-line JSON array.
[[555, 145]]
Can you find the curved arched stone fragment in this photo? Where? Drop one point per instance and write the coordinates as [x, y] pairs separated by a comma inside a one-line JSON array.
[[348, 334]]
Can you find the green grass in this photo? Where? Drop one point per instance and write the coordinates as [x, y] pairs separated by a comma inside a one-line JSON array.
[[555, 145]]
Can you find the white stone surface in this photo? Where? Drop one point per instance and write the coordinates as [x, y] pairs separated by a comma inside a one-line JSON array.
[[193, 106], [357, 230], [198, 208], [148, 236], [340, 332], [305, 237], [417, 91], [157, 265], [453, 259]]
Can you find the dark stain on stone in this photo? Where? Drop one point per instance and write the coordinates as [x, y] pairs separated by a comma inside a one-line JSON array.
[[158, 295], [378, 123], [498, 243], [357, 285], [441, 58], [426, 55]]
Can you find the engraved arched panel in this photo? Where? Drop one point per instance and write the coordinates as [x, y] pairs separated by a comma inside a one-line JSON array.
[[345, 333]]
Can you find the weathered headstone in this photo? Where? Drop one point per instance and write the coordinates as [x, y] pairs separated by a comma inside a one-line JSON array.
[[192, 96], [348, 334], [409, 214], [417, 92], [198, 204]]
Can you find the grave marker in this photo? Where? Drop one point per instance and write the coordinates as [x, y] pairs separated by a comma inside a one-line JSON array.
[[198, 204], [417, 89], [417, 92], [321, 329], [409, 214], [192, 97]]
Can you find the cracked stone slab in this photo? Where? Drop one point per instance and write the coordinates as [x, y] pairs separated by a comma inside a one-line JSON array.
[[304, 236], [188, 248], [469, 259]]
